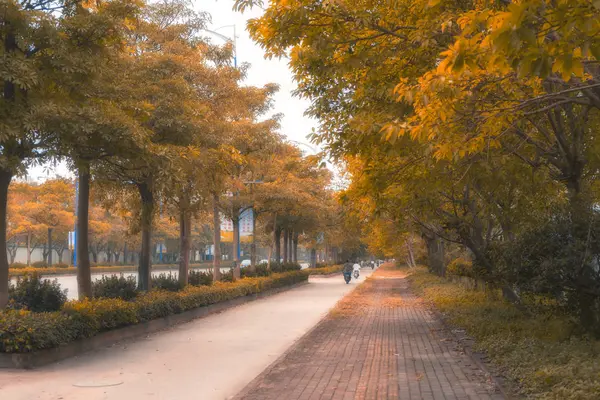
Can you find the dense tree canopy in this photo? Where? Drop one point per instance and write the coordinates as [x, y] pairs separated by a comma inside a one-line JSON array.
[[158, 127], [464, 123]]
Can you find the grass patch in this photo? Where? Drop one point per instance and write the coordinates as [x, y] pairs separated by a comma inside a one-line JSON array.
[[537, 350]]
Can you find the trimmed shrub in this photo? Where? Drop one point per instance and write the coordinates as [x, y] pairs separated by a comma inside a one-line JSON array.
[[259, 270], [37, 294], [167, 282], [283, 267], [24, 331], [99, 315], [18, 265], [227, 276], [39, 264], [200, 278], [61, 265], [332, 269], [115, 287]]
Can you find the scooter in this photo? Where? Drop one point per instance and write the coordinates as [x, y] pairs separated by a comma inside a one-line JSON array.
[[347, 277], [356, 274]]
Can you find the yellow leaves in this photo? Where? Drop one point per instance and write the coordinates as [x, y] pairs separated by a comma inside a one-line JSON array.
[[569, 64]]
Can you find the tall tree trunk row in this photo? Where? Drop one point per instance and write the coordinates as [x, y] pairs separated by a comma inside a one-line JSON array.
[[145, 266], [253, 245], [185, 230], [50, 246], [216, 238], [285, 245], [5, 178], [236, 244]]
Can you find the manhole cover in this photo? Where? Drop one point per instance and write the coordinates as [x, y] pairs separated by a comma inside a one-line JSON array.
[[96, 384]]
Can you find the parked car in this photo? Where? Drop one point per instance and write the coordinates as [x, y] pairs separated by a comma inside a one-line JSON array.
[[245, 263], [265, 261]]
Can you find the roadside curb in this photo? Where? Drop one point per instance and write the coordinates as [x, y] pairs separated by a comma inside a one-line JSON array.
[[109, 338]]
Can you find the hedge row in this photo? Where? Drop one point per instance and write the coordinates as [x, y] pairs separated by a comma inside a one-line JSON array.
[[47, 271], [332, 269], [25, 331]]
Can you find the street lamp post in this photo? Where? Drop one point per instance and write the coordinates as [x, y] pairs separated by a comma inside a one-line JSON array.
[[227, 39]]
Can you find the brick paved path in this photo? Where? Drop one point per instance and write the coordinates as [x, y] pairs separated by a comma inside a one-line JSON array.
[[390, 347]]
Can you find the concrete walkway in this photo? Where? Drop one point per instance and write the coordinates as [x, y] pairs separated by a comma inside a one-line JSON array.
[[210, 358], [384, 344]]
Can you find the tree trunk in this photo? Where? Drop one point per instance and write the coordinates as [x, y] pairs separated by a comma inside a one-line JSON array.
[[253, 245], [276, 240], [313, 258], [270, 255], [435, 252], [216, 239], [411, 256], [50, 246], [5, 178], [125, 254], [60, 252], [185, 230], [28, 248], [145, 266], [12, 251], [295, 246], [285, 245], [236, 244], [290, 246]]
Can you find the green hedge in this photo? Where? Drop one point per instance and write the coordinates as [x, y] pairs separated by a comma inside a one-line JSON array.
[[16, 269], [25, 331], [325, 270]]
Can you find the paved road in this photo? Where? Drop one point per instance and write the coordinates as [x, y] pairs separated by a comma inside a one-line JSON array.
[[391, 347], [208, 359], [69, 282]]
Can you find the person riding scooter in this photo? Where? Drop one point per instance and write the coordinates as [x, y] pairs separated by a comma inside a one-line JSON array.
[[356, 270], [347, 271]]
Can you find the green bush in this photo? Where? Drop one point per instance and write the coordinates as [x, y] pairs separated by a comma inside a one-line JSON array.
[[283, 267], [332, 269], [167, 282], [61, 265], [39, 264], [115, 287], [460, 267], [36, 294], [99, 315], [557, 259], [259, 270], [18, 265], [24, 331], [227, 276], [200, 278]]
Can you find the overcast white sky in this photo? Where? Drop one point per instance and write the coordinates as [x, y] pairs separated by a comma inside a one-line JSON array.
[[294, 124]]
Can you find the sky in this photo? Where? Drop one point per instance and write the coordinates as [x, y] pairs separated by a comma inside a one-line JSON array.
[[294, 125]]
